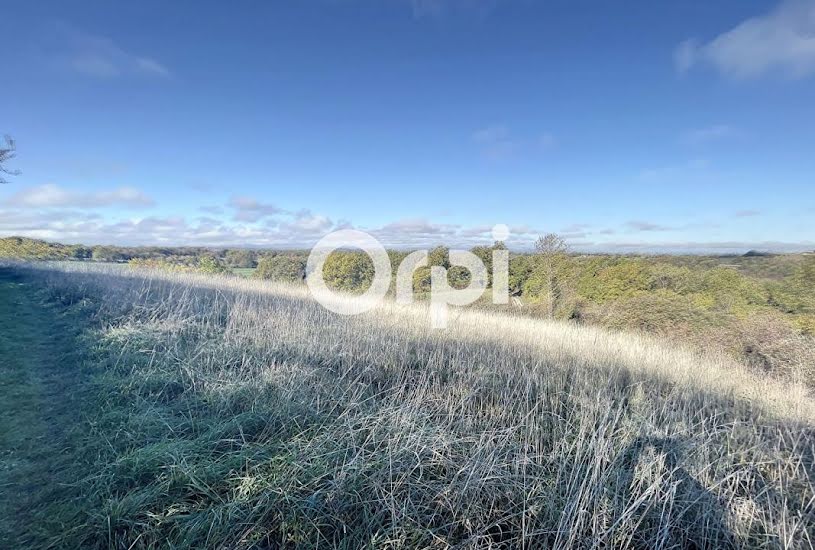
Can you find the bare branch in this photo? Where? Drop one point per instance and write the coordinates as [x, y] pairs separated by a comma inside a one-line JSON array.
[[8, 152]]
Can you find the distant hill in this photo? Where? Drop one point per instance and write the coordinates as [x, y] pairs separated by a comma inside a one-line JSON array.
[[756, 254]]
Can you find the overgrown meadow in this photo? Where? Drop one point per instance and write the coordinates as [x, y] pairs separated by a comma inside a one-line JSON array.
[[223, 412]]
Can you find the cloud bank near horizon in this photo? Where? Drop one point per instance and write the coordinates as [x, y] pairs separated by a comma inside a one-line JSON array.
[[126, 216]]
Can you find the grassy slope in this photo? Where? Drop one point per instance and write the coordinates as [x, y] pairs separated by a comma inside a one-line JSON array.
[[254, 419], [38, 378], [243, 271]]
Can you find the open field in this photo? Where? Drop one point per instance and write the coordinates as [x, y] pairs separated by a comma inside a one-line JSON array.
[[235, 413], [243, 271]]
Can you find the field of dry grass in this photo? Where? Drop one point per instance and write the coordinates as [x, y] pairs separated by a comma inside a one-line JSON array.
[[225, 412]]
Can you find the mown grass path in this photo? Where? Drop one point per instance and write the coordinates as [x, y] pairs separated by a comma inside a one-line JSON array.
[[39, 376]]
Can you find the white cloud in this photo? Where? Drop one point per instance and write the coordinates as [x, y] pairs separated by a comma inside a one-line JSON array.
[[783, 40], [248, 209], [685, 55], [576, 227], [698, 247], [305, 222], [71, 226], [422, 233], [54, 196], [637, 226], [101, 57]]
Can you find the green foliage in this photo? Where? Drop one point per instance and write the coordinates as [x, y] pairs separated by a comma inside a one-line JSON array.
[[804, 275], [679, 279], [108, 254], [421, 280], [349, 271], [484, 253], [662, 311], [396, 257], [439, 256], [241, 258], [727, 290], [32, 249], [622, 279], [796, 294], [550, 281], [281, 267], [520, 269], [682, 295], [457, 276], [211, 265]]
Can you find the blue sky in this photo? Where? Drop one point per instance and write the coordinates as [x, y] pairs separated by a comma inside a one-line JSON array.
[[635, 126]]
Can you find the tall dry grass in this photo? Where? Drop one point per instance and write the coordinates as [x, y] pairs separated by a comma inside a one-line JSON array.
[[241, 414]]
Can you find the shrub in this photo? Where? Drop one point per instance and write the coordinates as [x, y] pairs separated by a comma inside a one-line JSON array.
[[282, 267], [108, 254], [241, 258], [421, 279], [773, 343], [31, 249], [727, 290], [211, 264], [623, 279], [349, 271], [663, 312]]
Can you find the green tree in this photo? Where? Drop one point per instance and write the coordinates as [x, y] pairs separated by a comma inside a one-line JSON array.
[[520, 270], [725, 289], [484, 254], [211, 265], [31, 249], [458, 276], [108, 254], [240, 257], [79, 252], [350, 271], [421, 279], [796, 293], [680, 279], [439, 256], [622, 279], [287, 268]]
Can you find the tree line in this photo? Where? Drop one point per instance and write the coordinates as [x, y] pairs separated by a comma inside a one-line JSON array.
[[760, 308]]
